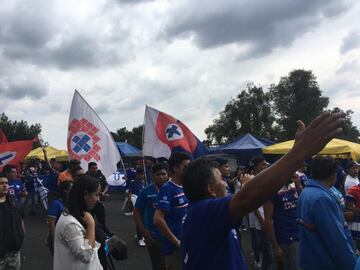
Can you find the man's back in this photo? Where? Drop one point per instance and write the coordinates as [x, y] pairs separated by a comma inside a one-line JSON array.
[[209, 239], [324, 241]]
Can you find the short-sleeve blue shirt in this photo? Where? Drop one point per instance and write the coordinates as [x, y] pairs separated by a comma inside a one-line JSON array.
[[285, 215], [55, 209], [173, 202], [146, 202], [136, 186], [209, 239]]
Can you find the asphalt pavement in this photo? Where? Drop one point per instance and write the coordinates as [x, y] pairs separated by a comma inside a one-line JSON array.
[[35, 255]]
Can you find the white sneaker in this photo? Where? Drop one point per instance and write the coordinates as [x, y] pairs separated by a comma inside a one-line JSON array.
[[129, 214], [142, 242]]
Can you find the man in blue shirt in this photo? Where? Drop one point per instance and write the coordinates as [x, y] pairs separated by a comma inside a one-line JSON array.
[[281, 226], [144, 210], [171, 209], [208, 240], [135, 187], [16, 186], [324, 240]]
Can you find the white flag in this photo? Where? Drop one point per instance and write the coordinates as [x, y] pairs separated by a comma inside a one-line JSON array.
[[164, 134], [88, 139]]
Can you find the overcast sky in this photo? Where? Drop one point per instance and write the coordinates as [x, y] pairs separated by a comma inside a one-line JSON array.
[[184, 57]]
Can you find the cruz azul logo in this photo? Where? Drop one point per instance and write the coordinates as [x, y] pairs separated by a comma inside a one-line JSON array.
[[174, 133], [6, 157], [83, 141]]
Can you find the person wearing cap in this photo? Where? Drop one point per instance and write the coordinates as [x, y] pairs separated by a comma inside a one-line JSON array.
[[353, 205], [66, 175], [135, 187], [352, 175], [260, 243]]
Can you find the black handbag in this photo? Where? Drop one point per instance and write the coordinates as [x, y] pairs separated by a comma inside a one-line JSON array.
[[117, 248]]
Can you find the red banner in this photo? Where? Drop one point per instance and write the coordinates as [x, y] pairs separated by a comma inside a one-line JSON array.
[[14, 152]]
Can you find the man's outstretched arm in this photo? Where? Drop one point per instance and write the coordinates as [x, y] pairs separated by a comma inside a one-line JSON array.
[[308, 141]]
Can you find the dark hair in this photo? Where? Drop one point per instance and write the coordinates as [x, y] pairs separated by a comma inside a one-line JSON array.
[[323, 167], [7, 168], [221, 161], [63, 189], [350, 164], [91, 164], [159, 166], [73, 163], [76, 203], [177, 158], [196, 178], [256, 161], [75, 168], [140, 170]]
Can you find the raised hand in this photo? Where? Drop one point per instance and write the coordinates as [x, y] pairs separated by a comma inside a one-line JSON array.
[[312, 139]]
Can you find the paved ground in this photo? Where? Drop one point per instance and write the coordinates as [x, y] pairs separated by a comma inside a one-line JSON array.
[[36, 256]]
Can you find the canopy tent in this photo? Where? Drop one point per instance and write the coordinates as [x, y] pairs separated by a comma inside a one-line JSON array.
[[128, 150], [336, 147], [52, 152], [246, 146]]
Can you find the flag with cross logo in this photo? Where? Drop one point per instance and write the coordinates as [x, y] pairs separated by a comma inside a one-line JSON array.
[[88, 139], [14, 152], [164, 134]]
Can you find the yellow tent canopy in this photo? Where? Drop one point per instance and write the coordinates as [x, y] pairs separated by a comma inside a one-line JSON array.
[[335, 147], [52, 152]]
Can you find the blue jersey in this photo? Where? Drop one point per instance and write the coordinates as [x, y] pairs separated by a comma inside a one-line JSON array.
[[146, 202], [285, 215], [173, 202], [209, 239], [55, 209], [136, 186], [16, 186]]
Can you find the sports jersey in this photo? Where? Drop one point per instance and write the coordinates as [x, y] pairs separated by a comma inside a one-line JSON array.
[[209, 239], [173, 202]]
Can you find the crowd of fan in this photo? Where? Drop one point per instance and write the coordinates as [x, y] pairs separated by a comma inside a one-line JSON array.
[[193, 213]]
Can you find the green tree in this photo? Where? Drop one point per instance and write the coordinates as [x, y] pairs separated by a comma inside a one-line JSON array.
[[296, 96], [350, 132], [249, 112], [133, 137], [18, 130]]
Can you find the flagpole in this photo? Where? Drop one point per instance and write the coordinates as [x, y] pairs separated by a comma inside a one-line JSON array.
[[142, 148]]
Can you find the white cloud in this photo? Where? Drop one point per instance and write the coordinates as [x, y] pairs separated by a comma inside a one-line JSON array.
[[122, 55]]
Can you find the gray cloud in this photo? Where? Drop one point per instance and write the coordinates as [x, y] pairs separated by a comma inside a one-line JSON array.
[[349, 66], [47, 39], [14, 90], [350, 42], [134, 1], [257, 26]]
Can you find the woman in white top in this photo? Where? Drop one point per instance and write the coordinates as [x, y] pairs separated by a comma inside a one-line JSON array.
[[75, 245]]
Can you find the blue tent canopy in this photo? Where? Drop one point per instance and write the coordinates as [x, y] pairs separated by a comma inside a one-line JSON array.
[[246, 146], [127, 150]]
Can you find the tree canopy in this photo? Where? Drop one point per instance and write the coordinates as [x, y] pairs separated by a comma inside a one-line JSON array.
[[249, 112], [133, 137], [273, 114]]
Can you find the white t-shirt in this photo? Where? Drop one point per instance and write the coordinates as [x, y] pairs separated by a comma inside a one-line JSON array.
[[71, 249], [350, 182], [253, 220]]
